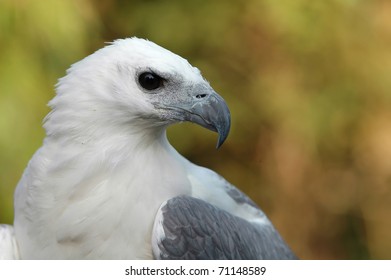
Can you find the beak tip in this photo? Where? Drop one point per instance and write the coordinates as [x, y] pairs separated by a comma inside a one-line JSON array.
[[219, 143], [223, 132]]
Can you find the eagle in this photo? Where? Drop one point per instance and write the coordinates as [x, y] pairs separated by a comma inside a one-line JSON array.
[[107, 184]]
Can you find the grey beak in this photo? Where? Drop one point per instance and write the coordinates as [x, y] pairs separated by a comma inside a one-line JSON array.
[[211, 111], [200, 105]]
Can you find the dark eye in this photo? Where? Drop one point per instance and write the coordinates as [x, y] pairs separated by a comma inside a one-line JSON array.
[[150, 81]]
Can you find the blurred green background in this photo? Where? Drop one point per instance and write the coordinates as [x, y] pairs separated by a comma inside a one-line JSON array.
[[308, 83]]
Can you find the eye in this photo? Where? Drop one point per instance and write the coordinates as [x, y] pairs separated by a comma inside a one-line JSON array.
[[150, 81]]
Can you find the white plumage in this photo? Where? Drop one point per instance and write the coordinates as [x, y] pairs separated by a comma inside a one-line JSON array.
[[93, 189], [8, 245]]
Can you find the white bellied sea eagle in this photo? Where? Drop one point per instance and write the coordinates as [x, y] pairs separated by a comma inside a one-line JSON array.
[[107, 184]]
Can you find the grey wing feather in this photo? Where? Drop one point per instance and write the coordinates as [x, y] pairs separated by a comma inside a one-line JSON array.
[[237, 195], [195, 229]]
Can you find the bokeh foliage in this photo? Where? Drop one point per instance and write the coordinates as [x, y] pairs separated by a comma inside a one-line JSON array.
[[307, 83]]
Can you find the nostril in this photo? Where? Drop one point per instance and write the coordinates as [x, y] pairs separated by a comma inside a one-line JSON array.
[[199, 96]]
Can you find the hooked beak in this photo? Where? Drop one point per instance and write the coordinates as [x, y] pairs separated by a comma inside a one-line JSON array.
[[204, 107], [212, 113]]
